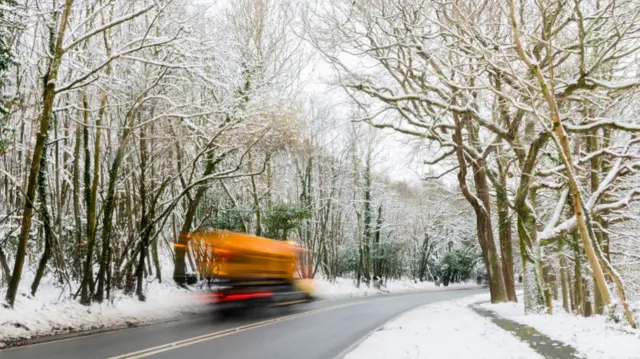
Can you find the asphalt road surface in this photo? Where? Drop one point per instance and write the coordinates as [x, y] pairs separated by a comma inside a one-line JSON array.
[[319, 330]]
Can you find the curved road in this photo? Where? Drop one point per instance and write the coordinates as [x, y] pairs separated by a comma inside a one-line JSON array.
[[320, 330]]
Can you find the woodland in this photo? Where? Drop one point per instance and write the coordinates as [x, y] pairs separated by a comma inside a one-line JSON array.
[[126, 123]]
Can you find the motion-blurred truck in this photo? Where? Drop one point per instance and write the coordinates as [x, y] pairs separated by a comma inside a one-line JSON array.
[[247, 271]]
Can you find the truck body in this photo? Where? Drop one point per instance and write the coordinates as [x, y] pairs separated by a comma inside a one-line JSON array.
[[245, 270]]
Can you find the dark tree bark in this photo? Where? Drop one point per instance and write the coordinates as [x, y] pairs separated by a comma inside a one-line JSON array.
[[46, 218], [504, 223], [145, 227], [38, 150], [481, 203], [378, 255], [179, 271]]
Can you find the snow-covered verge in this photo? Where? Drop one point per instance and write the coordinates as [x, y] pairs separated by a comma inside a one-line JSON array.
[[593, 337], [345, 287], [442, 330], [52, 311]]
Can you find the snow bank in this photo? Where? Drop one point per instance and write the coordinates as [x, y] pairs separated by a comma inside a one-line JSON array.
[[442, 330], [52, 311], [345, 287], [593, 337]]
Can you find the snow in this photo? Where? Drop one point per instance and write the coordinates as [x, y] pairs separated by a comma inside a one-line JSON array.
[[593, 337], [53, 312], [549, 233], [442, 330], [345, 287]]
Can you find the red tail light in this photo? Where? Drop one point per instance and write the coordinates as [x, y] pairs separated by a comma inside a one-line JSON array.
[[222, 297]]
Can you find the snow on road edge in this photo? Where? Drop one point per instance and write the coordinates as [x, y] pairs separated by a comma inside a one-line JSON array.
[[593, 337], [442, 330], [52, 312]]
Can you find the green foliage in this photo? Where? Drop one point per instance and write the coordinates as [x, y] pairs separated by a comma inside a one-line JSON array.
[[231, 219], [457, 265], [283, 218]]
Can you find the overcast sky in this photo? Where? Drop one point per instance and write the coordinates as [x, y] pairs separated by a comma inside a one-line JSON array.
[[398, 157]]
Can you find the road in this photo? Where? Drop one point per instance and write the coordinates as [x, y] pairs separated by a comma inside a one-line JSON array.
[[319, 330]]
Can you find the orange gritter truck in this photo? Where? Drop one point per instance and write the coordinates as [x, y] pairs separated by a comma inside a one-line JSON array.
[[247, 271]]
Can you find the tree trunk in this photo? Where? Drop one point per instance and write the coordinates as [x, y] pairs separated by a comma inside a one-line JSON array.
[[530, 253], [564, 280], [592, 146], [588, 304], [46, 219], [179, 270], [107, 220], [481, 205], [504, 223], [87, 281], [6, 271], [42, 266], [269, 184], [48, 99], [579, 293], [378, 255], [549, 284], [145, 227], [490, 257], [367, 220], [77, 257], [423, 257], [572, 293], [255, 196]]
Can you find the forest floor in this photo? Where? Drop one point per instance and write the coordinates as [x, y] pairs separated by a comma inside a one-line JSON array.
[[474, 328], [53, 311]]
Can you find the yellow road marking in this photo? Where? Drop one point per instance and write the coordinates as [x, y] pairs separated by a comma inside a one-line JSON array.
[[299, 301], [186, 342]]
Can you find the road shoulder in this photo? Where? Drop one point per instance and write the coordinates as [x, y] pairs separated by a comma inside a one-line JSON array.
[[442, 330]]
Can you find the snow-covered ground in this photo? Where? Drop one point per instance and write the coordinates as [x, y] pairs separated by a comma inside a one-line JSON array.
[[442, 330], [594, 337], [345, 287], [52, 311], [452, 330]]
